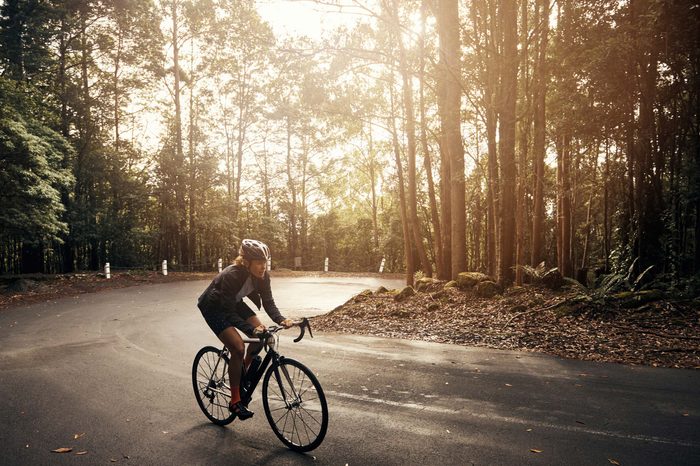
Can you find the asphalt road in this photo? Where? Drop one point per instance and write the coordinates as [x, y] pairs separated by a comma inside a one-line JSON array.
[[113, 370]]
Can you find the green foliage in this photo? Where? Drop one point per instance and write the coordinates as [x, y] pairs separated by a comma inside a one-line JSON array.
[[539, 273], [26, 32], [300, 117], [33, 173], [616, 282]]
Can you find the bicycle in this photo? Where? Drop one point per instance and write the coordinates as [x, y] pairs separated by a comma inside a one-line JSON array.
[[294, 402]]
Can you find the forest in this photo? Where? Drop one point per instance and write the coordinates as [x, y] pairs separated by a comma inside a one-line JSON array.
[[510, 137]]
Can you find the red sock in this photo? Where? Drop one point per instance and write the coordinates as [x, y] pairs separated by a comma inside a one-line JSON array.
[[235, 395]]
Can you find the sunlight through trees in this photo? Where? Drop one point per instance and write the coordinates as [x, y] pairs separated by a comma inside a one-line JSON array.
[[442, 136]]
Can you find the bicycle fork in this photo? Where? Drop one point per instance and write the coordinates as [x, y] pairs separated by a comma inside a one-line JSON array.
[[294, 395]]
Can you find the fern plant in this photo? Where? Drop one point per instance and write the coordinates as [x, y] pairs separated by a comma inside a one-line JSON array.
[[623, 282], [539, 273]]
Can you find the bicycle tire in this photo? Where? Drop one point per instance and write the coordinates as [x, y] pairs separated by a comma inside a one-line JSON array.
[[304, 406], [210, 388]]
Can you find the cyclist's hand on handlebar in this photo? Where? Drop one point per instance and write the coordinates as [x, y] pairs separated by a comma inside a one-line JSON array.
[[260, 331], [287, 323]]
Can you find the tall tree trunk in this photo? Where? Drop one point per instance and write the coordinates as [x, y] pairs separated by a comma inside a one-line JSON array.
[[627, 225], [434, 213], [445, 210], [181, 234], [69, 241], [293, 238], [192, 165], [492, 195], [540, 93], [448, 29], [606, 209], [115, 83], [507, 140], [648, 186], [303, 215], [266, 182], [587, 231], [478, 221], [521, 201], [564, 206], [85, 130], [242, 125], [373, 180], [408, 252], [484, 17], [410, 129], [696, 262]]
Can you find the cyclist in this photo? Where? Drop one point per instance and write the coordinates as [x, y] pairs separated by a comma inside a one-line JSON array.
[[223, 309]]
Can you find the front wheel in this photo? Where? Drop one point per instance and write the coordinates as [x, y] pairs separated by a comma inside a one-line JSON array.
[[295, 405], [211, 387]]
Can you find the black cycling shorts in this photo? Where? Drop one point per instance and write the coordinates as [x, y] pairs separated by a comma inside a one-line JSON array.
[[220, 321]]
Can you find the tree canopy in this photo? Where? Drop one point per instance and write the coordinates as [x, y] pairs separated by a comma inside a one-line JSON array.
[[492, 135]]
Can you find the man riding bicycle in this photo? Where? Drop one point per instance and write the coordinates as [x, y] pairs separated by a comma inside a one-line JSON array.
[[224, 311]]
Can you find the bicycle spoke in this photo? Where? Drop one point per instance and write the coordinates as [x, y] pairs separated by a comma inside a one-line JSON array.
[[311, 415], [301, 412], [303, 424]]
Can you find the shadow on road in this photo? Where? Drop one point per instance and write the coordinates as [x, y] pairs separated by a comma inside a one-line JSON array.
[[277, 455], [223, 439]]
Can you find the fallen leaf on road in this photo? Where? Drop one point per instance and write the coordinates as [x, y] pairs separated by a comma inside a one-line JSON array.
[[612, 461], [448, 430], [528, 430], [508, 385], [535, 450], [81, 453], [62, 450], [686, 414], [581, 422], [77, 436]]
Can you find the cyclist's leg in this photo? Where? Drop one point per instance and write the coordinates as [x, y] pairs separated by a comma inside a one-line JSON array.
[[233, 341], [253, 348]]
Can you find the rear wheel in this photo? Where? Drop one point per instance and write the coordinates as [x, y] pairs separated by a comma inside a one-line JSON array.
[[295, 405], [211, 387]]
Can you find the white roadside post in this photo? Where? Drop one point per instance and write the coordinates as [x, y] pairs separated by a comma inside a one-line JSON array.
[[107, 271], [325, 265], [220, 263], [381, 266], [165, 267]]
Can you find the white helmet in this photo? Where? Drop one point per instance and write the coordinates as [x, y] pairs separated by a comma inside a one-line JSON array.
[[252, 249]]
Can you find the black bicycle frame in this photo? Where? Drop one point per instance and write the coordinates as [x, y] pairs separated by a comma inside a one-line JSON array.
[[272, 357]]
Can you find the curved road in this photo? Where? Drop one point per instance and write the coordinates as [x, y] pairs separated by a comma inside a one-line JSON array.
[[113, 370]]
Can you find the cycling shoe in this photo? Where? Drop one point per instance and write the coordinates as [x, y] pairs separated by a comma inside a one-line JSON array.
[[241, 411]]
